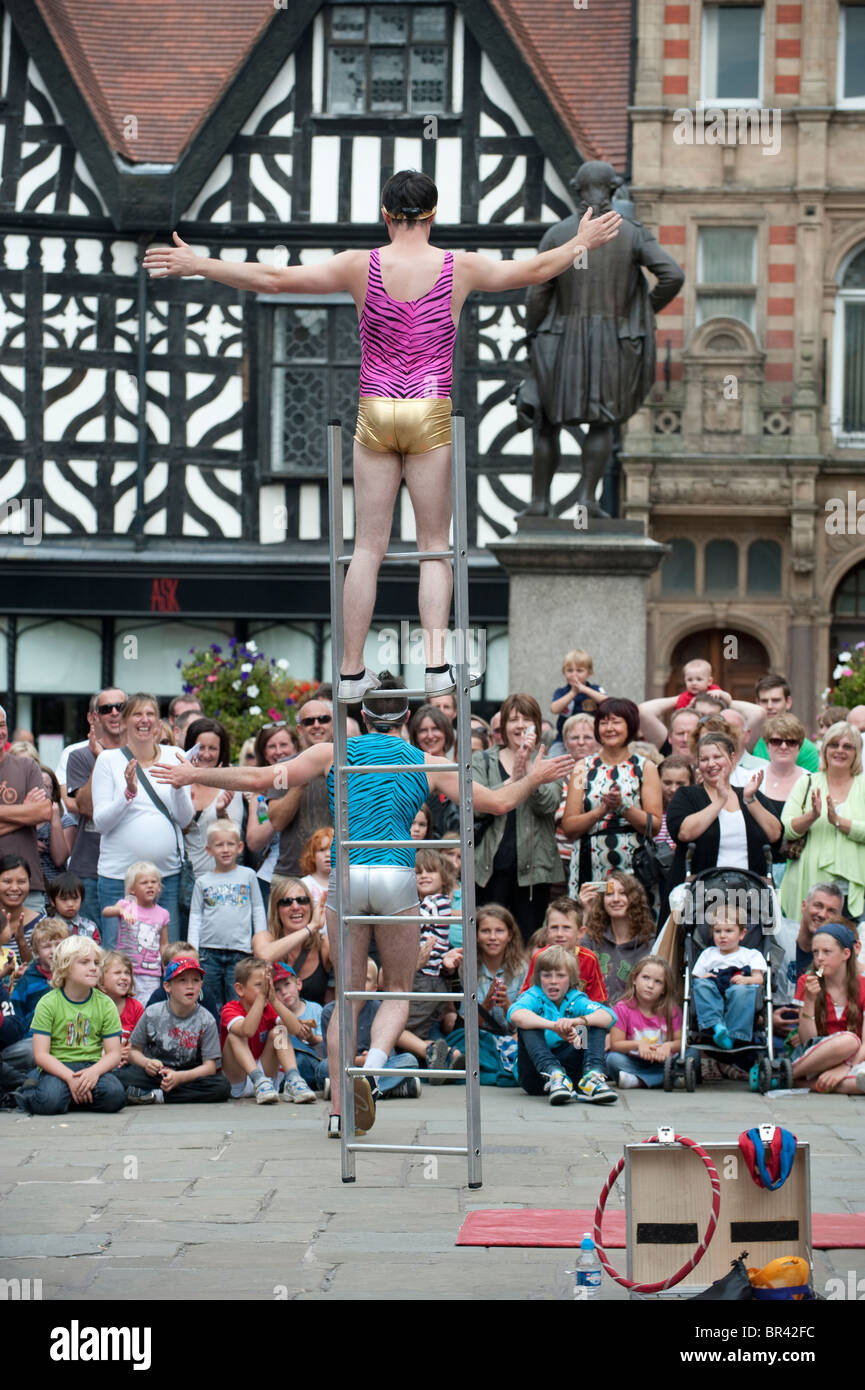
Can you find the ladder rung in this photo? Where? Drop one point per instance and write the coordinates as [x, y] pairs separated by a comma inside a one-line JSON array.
[[397, 555], [406, 1149], [371, 770], [387, 695], [398, 994], [406, 1071], [398, 917]]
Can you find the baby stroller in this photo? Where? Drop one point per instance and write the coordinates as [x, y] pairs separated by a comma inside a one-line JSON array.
[[749, 890]]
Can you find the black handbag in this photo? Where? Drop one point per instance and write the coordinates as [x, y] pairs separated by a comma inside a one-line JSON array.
[[734, 1287], [647, 867]]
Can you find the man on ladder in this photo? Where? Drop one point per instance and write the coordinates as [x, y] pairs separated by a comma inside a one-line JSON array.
[[382, 877]]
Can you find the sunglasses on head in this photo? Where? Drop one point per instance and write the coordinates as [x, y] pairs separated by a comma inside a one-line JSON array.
[[106, 709], [315, 719], [286, 902]]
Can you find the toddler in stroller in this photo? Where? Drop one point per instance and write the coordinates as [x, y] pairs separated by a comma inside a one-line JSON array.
[[728, 924]]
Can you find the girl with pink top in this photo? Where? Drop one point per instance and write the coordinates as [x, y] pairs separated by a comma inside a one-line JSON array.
[[409, 295], [648, 1026], [143, 929]]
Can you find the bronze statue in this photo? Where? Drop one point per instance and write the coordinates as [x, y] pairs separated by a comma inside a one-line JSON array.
[[592, 340]]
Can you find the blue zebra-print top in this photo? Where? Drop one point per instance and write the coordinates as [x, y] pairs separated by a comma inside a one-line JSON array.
[[381, 807]]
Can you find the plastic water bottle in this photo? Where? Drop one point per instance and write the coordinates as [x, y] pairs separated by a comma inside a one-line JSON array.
[[261, 809], [587, 1282]]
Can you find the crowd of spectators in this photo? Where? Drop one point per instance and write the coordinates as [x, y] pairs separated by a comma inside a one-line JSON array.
[[127, 905]]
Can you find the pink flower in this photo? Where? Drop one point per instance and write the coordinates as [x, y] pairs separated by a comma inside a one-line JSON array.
[[273, 713], [212, 678]]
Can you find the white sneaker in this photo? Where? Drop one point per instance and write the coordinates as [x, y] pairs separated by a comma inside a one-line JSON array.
[[859, 1073], [627, 1081], [445, 682], [560, 1088], [296, 1089], [265, 1091], [351, 691]]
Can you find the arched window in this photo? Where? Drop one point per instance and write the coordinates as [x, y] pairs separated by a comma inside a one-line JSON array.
[[722, 567], [678, 572], [764, 567], [848, 354], [848, 612]]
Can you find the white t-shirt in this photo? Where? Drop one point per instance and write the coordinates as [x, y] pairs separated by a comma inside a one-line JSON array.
[[134, 830], [733, 846], [60, 769], [712, 959], [745, 768]]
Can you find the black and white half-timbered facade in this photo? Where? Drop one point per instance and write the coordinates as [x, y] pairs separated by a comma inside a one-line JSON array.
[[162, 444]]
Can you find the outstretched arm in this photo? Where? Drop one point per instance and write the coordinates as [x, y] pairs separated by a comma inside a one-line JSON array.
[[313, 762], [478, 272], [499, 801], [179, 261]]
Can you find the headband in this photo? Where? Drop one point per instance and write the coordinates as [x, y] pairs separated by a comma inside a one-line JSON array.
[[841, 934], [378, 718], [405, 213]]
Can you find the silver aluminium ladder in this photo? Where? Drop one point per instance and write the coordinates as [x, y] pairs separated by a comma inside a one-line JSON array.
[[342, 844]]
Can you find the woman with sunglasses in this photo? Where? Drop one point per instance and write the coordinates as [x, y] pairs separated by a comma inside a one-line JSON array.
[[784, 737], [827, 808], [296, 937]]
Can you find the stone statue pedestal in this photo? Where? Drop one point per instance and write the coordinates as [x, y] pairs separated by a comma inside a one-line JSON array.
[[572, 588]]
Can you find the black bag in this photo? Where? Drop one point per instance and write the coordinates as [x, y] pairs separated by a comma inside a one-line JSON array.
[[647, 866], [735, 1287]]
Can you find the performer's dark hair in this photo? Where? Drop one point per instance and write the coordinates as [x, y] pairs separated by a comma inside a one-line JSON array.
[[409, 191], [398, 706]]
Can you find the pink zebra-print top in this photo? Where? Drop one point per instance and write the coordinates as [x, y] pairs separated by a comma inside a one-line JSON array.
[[407, 347]]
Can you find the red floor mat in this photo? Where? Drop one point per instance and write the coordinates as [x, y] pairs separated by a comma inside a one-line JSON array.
[[544, 1228]]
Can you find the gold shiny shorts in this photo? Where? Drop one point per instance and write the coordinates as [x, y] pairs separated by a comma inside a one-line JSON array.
[[389, 425]]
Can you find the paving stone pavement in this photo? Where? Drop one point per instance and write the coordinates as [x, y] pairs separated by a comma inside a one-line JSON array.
[[236, 1201]]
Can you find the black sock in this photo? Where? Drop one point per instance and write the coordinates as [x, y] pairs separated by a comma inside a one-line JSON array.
[[357, 677], [437, 670]]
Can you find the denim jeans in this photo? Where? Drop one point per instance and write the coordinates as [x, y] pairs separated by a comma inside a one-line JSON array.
[[91, 906], [383, 1083], [111, 890], [51, 1095], [735, 1008], [219, 968], [536, 1060], [652, 1073]]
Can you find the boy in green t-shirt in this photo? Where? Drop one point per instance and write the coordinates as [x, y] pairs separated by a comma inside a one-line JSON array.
[[76, 1037]]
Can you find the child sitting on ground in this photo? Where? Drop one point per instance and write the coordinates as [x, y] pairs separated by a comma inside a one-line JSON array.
[[65, 897], [76, 1038], [562, 927], [578, 695], [386, 1087], [36, 980], [174, 1051], [454, 855], [551, 1018], [168, 953], [697, 675], [648, 1026], [254, 1047], [307, 1043], [226, 910], [724, 980], [117, 984], [435, 879], [143, 925]]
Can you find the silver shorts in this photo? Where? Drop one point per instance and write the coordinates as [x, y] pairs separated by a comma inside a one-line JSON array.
[[378, 890]]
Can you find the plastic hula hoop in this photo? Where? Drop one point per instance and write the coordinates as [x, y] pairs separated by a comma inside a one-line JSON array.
[[701, 1248]]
